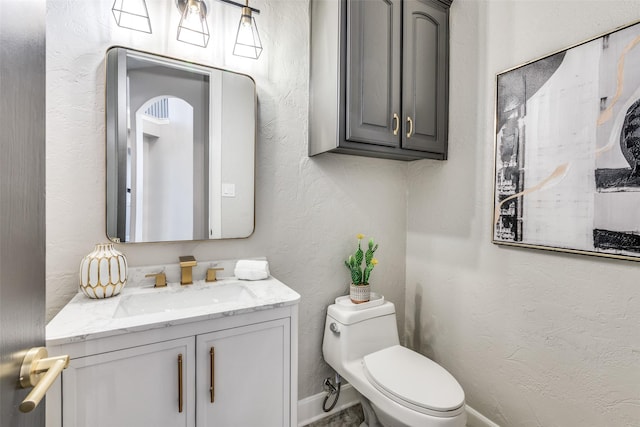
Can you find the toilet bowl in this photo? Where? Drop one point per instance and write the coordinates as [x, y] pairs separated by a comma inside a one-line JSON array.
[[399, 387]]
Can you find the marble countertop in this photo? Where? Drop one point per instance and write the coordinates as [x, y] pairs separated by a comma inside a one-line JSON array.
[[85, 319]]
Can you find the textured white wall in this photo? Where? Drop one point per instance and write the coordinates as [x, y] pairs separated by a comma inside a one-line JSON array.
[[308, 211], [536, 338]]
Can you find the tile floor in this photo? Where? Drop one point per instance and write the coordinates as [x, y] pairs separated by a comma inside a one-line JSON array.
[[350, 417]]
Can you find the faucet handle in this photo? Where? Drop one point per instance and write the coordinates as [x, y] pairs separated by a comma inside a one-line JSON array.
[[161, 279], [211, 274]]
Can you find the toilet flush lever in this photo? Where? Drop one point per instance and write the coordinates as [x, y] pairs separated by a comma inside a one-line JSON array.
[[334, 328]]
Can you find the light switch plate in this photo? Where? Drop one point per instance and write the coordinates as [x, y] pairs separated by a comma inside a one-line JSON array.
[[228, 189]]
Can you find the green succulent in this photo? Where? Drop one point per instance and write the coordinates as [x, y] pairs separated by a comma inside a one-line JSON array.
[[360, 275]]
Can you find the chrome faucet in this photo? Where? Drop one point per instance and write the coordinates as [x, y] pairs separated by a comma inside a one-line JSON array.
[[186, 265]]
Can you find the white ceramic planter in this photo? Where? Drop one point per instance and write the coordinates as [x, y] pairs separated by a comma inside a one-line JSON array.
[[103, 272], [359, 293]]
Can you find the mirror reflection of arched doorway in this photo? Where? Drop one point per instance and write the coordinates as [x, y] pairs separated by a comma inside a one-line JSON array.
[[147, 83], [161, 171]]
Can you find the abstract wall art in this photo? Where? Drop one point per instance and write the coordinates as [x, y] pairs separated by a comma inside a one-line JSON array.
[[567, 149]]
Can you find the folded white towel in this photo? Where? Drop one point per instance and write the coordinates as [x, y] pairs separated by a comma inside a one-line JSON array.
[[247, 269]]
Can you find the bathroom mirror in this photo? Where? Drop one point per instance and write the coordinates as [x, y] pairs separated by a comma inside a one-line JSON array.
[[180, 150]]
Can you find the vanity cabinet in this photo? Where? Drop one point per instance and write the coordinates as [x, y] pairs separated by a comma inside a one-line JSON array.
[[235, 371], [139, 386], [249, 384], [379, 81]]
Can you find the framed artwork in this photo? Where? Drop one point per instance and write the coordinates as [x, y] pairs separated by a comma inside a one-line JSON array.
[[567, 149]]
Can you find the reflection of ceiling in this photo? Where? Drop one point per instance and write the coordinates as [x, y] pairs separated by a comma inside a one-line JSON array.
[[164, 69], [520, 84]]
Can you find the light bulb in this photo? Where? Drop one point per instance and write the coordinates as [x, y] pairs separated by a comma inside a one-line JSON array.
[[194, 7], [193, 26]]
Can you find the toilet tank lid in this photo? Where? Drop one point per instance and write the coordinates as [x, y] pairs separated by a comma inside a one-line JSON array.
[[348, 317]]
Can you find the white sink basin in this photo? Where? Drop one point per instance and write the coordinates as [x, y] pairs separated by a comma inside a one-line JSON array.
[[176, 297]]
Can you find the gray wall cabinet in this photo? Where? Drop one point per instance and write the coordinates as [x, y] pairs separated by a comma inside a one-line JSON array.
[[379, 78]]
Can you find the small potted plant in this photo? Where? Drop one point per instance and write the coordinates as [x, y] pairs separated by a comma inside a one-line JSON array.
[[360, 290]]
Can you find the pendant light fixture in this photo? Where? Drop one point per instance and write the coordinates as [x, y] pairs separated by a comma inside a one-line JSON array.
[[132, 14], [248, 42], [193, 28]]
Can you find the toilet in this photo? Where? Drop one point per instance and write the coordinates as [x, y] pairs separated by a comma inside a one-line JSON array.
[[399, 387]]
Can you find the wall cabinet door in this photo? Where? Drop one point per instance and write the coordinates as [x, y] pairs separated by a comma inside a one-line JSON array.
[[425, 79], [138, 386], [379, 78], [373, 64], [243, 376]]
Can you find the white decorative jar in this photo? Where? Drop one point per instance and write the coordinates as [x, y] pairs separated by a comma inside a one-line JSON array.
[[360, 293], [103, 272]]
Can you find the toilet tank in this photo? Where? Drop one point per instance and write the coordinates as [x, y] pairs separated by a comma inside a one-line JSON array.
[[352, 334]]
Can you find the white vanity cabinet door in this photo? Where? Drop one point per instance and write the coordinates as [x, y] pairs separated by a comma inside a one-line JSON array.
[[134, 387], [251, 376]]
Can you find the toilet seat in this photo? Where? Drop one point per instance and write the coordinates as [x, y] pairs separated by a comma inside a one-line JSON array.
[[414, 381]]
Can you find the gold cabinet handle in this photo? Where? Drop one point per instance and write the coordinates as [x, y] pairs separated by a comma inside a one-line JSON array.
[[410, 122], [396, 120], [40, 372], [212, 389], [180, 383]]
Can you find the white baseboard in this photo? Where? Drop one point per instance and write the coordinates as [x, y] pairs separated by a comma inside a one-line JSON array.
[[476, 419], [310, 408]]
